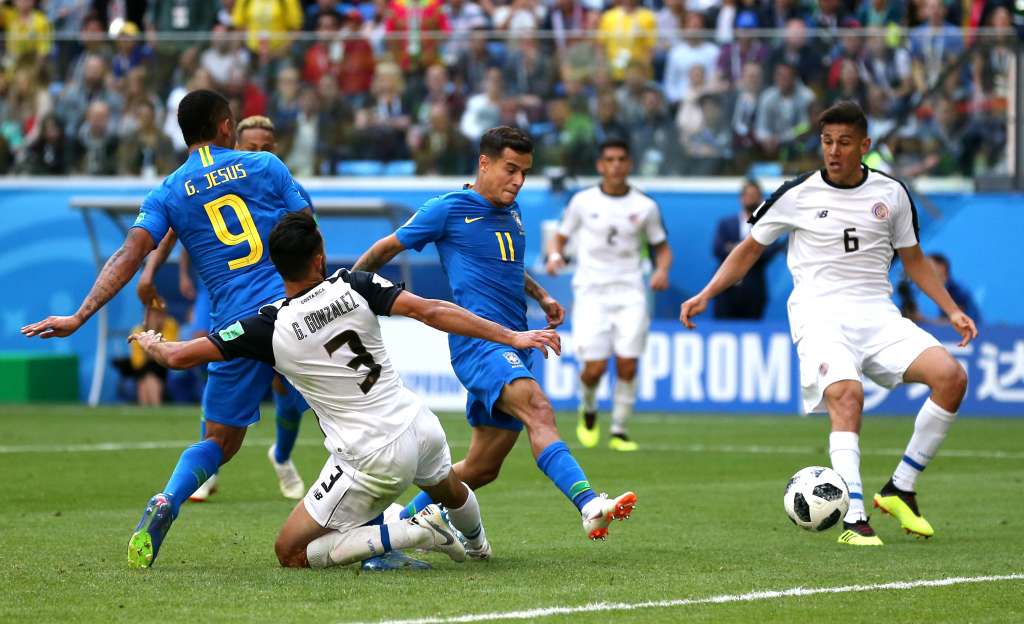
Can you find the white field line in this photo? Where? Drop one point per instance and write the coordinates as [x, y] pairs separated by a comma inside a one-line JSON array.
[[739, 449], [532, 614]]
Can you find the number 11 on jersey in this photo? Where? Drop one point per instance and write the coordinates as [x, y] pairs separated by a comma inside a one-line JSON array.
[[511, 255]]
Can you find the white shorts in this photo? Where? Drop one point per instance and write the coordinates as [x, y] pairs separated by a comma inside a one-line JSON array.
[[608, 322], [880, 345], [350, 494]]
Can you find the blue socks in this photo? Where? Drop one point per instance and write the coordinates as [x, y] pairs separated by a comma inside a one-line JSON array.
[[561, 467], [288, 419], [416, 505], [196, 464]]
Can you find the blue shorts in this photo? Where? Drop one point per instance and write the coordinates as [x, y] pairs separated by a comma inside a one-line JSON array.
[[484, 369], [235, 388]]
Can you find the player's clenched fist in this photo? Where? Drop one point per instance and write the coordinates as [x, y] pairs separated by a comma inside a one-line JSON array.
[[691, 308]]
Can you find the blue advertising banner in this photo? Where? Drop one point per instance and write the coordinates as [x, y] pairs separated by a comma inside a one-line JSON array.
[[752, 367]]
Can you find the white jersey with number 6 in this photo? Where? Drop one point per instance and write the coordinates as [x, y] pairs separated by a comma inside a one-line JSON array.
[[841, 241]]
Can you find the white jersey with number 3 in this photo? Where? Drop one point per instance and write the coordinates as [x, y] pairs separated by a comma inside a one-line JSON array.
[[841, 241], [610, 231], [327, 342]]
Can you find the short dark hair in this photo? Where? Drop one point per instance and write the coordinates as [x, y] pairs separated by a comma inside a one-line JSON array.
[[613, 143], [199, 114], [846, 112], [752, 182], [495, 140], [293, 243]]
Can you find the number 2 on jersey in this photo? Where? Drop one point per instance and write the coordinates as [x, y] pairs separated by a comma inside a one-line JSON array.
[[249, 232], [511, 255], [362, 357]]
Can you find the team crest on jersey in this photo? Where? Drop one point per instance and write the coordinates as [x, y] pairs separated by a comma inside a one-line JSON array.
[[881, 211], [513, 358], [519, 222], [634, 218], [823, 369]]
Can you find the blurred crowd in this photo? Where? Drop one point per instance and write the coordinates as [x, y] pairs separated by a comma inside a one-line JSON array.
[[696, 86]]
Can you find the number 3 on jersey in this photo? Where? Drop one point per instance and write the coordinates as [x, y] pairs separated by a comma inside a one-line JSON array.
[[249, 232]]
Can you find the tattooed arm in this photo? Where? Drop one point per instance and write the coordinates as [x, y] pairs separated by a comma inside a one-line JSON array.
[[117, 272], [552, 309], [379, 254]]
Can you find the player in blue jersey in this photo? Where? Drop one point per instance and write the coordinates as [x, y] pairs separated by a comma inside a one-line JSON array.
[[253, 134], [479, 235], [222, 204]]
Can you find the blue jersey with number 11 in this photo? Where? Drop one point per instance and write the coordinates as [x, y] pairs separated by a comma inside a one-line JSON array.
[[481, 247], [222, 204]]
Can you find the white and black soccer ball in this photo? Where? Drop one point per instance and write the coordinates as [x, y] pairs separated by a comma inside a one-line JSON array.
[[816, 498]]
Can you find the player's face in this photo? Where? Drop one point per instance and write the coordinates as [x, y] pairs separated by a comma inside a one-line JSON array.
[[256, 140], [614, 165], [505, 175], [843, 147]]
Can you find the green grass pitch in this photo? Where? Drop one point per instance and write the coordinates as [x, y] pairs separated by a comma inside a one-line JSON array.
[[710, 523]]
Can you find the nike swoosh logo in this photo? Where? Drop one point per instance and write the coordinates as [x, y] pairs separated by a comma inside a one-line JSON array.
[[446, 534], [468, 220]]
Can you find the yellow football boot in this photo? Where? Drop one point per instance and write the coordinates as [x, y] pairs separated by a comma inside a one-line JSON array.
[[859, 533], [620, 442], [903, 506], [588, 436]]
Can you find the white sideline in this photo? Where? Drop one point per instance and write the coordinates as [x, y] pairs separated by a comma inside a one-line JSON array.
[[687, 602], [754, 449]]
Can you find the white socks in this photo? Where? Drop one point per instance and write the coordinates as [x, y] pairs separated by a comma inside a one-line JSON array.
[[929, 431], [844, 449], [345, 547], [467, 520], [588, 397], [622, 405]]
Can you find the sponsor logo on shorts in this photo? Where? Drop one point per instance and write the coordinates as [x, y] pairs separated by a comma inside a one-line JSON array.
[[881, 211], [513, 358], [823, 369]]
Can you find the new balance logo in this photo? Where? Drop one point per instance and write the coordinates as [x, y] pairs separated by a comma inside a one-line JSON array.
[[822, 214]]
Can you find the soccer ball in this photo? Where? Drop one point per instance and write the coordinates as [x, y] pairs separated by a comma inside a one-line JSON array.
[[816, 498]]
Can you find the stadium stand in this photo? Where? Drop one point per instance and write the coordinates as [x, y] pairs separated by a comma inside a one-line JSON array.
[[396, 87]]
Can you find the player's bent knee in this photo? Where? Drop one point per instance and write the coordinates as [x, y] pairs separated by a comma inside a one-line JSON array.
[[845, 400], [289, 555], [477, 476]]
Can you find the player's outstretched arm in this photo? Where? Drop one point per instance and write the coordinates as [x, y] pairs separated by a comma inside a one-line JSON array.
[[145, 288], [118, 270], [920, 271], [553, 310], [453, 319], [733, 269], [177, 354], [379, 254]]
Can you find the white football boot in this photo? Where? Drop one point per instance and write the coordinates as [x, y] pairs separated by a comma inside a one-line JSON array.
[[288, 477], [437, 535], [599, 513], [205, 491]]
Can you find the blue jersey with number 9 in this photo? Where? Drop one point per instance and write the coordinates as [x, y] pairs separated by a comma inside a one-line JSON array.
[[222, 204], [481, 247]]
